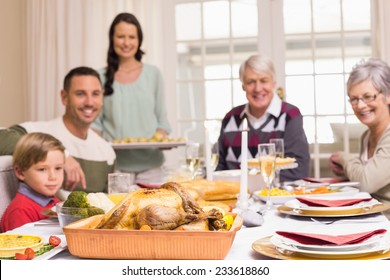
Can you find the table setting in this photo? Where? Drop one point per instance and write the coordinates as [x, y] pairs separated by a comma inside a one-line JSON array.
[[309, 219], [253, 242]]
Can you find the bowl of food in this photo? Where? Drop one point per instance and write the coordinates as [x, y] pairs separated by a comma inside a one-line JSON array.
[[80, 205], [255, 180], [158, 223], [67, 215]]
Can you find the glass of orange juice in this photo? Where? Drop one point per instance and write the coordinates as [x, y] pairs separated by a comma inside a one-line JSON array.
[[118, 186], [116, 197]]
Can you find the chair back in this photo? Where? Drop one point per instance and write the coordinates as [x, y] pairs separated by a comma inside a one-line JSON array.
[[8, 183]]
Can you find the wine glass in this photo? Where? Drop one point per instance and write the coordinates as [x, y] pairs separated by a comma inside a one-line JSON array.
[[267, 156], [214, 156], [279, 149], [192, 158]]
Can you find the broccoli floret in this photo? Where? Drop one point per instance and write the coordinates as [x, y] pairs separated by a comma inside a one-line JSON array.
[[92, 211], [77, 199]]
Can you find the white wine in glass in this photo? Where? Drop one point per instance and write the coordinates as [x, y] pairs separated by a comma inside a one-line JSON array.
[[267, 156], [192, 158], [192, 165], [279, 149], [214, 160]]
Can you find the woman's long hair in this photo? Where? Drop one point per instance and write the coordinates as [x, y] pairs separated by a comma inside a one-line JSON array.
[[112, 57]]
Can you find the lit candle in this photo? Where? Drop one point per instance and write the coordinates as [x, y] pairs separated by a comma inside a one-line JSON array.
[[243, 201], [209, 171]]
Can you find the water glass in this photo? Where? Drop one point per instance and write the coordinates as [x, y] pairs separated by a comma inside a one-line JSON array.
[[119, 183]]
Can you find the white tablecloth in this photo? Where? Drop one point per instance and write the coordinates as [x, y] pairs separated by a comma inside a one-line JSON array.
[[242, 246]]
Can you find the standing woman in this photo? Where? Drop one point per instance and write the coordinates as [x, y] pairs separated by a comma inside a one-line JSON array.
[[368, 89], [134, 104]]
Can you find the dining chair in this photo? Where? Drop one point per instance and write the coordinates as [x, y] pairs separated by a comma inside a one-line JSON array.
[[8, 183]]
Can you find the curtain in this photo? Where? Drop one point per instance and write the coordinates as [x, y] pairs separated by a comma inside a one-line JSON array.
[[380, 29], [61, 35]]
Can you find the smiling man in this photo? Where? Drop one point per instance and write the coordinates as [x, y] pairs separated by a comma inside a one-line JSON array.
[[90, 158], [268, 117]]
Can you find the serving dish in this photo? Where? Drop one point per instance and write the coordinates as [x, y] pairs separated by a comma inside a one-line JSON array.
[[264, 247], [10, 244], [85, 241], [146, 145], [255, 181]]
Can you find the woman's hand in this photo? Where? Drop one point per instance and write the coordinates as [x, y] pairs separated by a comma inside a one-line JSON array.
[[335, 166]]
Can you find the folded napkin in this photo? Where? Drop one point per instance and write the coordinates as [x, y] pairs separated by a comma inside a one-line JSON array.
[[325, 180], [324, 239], [331, 203]]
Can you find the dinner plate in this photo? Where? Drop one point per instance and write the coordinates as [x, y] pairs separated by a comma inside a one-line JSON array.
[[264, 247], [331, 248], [146, 145], [342, 192], [377, 208], [296, 204], [50, 212], [380, 246], [48, 255], [43, 240]]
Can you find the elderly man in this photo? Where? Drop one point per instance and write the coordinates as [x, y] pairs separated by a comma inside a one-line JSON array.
[[89, 157], [268, 117]]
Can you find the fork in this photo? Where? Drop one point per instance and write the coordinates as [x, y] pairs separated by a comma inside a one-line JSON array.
[[329, 222]]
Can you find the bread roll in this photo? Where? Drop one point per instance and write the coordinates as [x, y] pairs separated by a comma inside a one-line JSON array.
[[214, 190]]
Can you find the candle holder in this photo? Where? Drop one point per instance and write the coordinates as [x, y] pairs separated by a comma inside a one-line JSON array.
[[242, 203], [242, 199]]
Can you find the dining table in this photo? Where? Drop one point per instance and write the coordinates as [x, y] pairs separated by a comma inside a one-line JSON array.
[[242, 247]]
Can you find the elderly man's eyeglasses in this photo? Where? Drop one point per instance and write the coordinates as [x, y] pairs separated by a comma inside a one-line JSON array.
[[366, 99]]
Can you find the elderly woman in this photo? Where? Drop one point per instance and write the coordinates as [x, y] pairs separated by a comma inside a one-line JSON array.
[[368, 89]]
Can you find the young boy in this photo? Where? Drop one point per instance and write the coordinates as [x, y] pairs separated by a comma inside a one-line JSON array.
[[38, 162]]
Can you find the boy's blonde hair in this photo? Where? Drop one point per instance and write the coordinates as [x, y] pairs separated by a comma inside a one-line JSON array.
[[33, 148]]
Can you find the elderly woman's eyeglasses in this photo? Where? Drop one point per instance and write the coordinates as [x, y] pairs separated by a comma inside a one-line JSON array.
[[366, 99]]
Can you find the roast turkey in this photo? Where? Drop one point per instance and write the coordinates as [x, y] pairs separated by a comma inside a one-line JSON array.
[[166, 208]]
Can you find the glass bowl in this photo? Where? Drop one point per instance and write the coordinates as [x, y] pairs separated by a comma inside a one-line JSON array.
[[67, 215]]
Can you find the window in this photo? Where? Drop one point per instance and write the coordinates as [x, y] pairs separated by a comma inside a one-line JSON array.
[[322, 41]]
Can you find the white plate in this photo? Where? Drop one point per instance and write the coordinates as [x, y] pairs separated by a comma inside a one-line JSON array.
[[343, 191], [382, 245], [370, 241], [48, 255], [296, 204], [146, 145]]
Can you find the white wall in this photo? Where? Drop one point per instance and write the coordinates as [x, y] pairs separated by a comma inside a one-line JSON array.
[[12, 67]]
